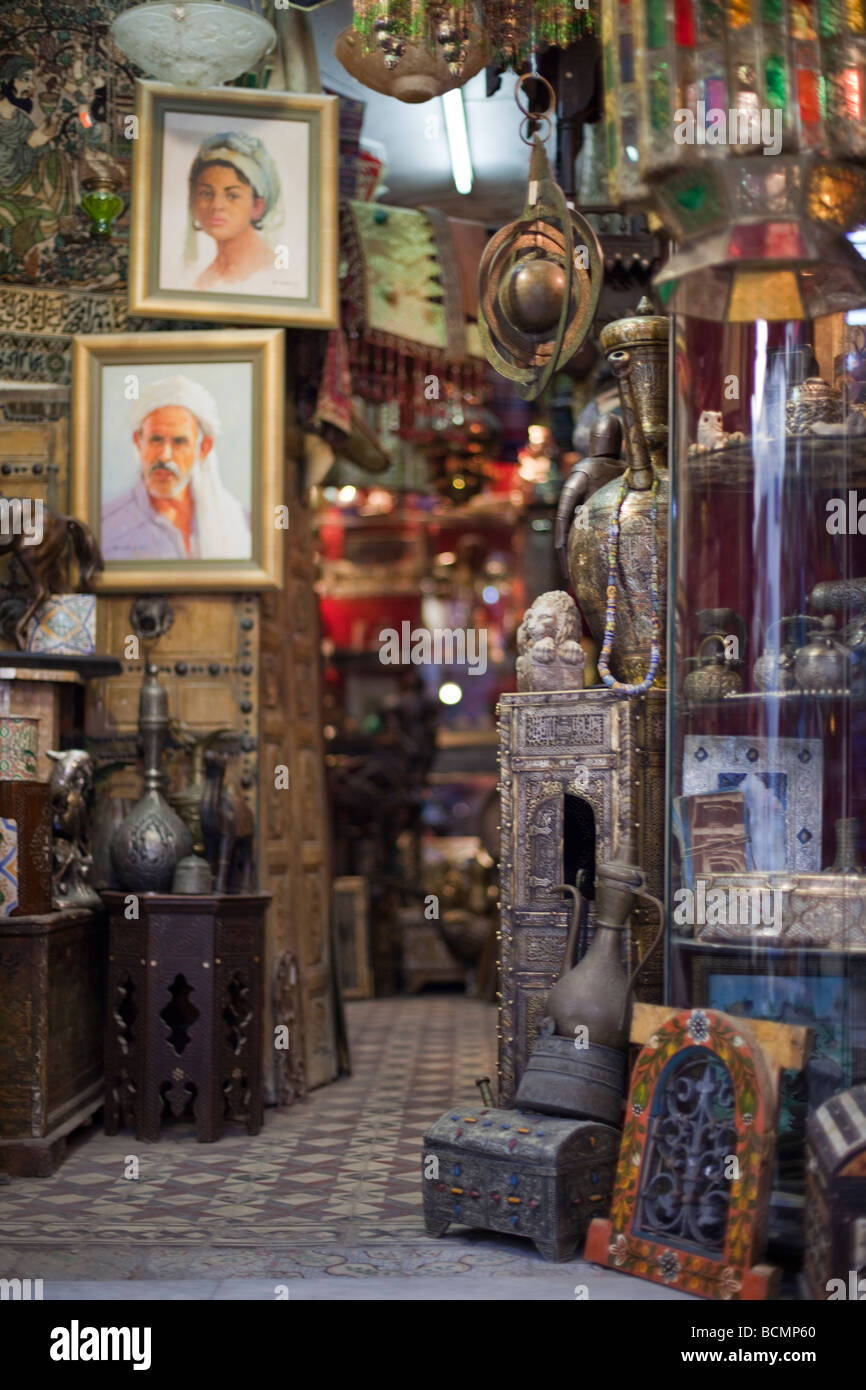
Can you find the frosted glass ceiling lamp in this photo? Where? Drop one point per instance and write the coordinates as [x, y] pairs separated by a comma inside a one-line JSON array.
[[201, 43]]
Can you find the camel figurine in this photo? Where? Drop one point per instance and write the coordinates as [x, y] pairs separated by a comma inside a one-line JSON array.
[[42, 562]]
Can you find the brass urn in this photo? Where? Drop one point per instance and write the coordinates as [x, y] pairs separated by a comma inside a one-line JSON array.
[[637, 349]]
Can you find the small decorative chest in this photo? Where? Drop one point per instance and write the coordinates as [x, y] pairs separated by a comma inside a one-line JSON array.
[[520, 1173], [835, 1262]]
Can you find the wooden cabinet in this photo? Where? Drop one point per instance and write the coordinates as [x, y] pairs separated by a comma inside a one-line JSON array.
[[52, 1010]]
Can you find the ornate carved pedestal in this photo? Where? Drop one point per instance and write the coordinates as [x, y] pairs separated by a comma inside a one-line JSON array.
[[52, 1015], [574, 765], [185, 1011]]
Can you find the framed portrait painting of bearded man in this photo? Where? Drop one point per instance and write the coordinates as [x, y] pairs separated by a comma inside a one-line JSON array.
[[177, 457], [234, 207]]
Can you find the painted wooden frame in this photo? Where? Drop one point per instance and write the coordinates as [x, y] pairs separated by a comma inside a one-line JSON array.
[[309, 204], [618, 1241], [259, 350]]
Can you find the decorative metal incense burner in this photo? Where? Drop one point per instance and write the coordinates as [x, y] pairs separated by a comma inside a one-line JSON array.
[[578, 1065], [713, 677], [824, 663], [637, 350], [540, 277], [774, 668]]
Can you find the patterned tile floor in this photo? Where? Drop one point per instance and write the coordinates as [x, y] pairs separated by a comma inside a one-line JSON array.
[[331, 1186]]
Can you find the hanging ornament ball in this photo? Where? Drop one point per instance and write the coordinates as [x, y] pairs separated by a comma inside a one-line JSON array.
[[532, 295]]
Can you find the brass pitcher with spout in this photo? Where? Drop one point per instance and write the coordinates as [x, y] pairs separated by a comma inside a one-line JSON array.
[[578, 1064], [637, 350]]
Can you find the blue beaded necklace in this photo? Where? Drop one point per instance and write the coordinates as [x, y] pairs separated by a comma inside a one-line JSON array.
[[620, 687]]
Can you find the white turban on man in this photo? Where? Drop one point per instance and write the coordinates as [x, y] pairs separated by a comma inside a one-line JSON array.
[[222, 529]]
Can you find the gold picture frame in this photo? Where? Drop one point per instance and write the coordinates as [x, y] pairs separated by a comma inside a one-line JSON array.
[[114, 377], [288, 145]]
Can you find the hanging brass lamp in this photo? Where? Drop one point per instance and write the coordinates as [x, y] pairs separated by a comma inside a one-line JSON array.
[[540, 277]]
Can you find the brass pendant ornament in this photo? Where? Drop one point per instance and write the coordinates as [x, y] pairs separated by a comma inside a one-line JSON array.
[[540, 277]]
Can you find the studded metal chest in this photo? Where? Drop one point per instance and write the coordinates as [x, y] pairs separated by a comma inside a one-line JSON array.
[[520, 1173]]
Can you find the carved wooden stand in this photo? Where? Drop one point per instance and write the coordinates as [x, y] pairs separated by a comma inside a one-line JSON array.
[[185, 1011]]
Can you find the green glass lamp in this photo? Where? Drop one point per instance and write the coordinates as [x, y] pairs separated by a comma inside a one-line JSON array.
[[103, 204]]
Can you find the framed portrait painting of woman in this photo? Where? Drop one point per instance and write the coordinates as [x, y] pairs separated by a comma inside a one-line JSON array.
[[234, 206]]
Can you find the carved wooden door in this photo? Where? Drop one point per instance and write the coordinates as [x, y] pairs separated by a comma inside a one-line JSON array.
[[294, 844]]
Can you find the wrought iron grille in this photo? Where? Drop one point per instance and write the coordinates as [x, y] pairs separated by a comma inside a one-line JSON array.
[[687, 1168]]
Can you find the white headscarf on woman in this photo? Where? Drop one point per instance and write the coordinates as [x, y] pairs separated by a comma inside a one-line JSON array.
[[222, 531], [248, 156]]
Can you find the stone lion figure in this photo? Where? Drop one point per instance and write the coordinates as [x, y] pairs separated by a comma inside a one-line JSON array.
[[549, 654]]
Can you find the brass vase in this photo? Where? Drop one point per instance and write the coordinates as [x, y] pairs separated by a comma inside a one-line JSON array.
[[638, 350]]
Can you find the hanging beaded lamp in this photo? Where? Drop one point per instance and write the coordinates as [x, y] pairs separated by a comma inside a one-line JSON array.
[[742, 124], [514, 28]]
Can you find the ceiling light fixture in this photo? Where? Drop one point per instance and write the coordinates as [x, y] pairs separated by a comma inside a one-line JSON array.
[[199, 43], [458, 140]]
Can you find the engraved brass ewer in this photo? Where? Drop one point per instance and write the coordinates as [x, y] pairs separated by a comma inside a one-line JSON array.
[[637, 350]]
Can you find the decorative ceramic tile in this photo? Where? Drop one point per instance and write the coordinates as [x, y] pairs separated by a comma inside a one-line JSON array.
[[8, 867], [338, 1168], [782, 782], [64, 625], [19, 745]]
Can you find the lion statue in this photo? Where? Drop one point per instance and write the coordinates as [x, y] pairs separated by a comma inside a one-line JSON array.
[[549, 654]]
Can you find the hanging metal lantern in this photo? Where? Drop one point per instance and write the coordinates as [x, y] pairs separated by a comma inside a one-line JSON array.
[[540, 277], [744, 127], [409, 69]]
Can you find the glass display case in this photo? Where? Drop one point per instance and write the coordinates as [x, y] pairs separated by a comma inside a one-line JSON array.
[[767, 710]]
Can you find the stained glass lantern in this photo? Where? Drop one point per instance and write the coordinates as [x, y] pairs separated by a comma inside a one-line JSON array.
[[743, 126]]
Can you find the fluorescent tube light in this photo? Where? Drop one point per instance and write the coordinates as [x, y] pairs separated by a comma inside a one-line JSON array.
[[458, 139]]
